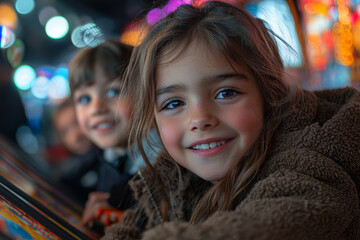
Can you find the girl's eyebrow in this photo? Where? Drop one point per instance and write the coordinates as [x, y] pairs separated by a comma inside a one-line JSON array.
[[205, 81], [168, 89], [222, 77], [225, 76]]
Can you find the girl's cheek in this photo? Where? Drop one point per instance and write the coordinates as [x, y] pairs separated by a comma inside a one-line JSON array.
[[170, 132], [251, 121]]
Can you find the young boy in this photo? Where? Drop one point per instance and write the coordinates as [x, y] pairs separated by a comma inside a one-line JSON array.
[[79, 149], [103, 115], [68, 131]]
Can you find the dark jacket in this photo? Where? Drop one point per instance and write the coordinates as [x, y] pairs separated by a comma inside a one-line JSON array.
[[91, 172], [12, 111], [307, 188]]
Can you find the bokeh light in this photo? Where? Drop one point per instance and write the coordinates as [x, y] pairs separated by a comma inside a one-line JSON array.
[[24, 6], [57, 27], [46, 13], [40, 88], [87, 35], [77, 38], [7, 37], [15, 53], [8, 16], [27, 140], [133, 34], [282, 25], [59, 87], [24, 77]]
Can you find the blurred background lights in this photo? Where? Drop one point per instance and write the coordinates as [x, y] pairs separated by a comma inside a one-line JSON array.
[[27, 140], [24, 77], [45, 71], [46, 13], [133, 34], [277, 16], [15, 53], [59, 87], [87, 35], [62, 71], [24, 6], [77, 38], [7, 37], [7, 16], [40, 89], [57, 27]]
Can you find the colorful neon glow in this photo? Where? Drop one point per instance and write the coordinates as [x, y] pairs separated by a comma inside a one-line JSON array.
[[8, 16], [157, 14]]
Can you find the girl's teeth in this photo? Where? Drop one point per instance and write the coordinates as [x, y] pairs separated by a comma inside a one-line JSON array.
[[206, 146], [213, 144]]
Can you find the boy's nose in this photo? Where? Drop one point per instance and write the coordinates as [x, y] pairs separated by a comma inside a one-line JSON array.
[[98, 106], [202, 118]]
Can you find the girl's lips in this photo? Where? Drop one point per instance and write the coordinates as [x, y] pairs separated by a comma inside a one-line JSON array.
[[209, 147]]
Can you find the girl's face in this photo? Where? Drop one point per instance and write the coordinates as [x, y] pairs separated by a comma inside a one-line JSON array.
[[207, 113], [102, 113]]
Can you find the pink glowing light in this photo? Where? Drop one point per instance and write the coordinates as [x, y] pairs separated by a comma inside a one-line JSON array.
[[157, 14]]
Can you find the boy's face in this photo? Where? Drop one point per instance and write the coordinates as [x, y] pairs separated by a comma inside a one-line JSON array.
[[208, 113], [102, 113], [69, 131]]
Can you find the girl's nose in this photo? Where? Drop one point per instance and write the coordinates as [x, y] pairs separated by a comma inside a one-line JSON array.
[[202, 119]]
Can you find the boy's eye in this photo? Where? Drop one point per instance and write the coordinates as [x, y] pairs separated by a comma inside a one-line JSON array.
[[227, 93], [172, 104], [113, 92], [84, 99]]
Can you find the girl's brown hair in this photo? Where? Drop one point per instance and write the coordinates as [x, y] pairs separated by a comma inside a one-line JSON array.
[[240, 38], [111, 56]]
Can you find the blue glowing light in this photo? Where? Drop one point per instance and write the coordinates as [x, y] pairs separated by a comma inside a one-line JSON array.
[[57, 27], [59, 87], [7, 37], [40, 88], [24, 6], [24, 77]]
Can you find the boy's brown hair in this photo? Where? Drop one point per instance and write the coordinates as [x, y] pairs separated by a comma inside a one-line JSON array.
[[111, 56]]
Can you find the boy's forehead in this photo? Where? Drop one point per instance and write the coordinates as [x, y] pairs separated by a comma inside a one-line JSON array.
[[99, 82]]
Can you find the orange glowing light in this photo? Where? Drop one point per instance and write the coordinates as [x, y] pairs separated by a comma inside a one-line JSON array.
[[310, 8], [343, 36], [8, 16], [356, 36], [133, 33], [328, 39]]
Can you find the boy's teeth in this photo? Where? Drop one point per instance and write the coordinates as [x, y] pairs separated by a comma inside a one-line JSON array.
[[206, 146], [103, 125]]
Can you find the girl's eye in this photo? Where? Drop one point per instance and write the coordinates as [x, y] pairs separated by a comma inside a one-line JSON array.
[[227, 93], [84, 99], [113, 92], [172, 104]]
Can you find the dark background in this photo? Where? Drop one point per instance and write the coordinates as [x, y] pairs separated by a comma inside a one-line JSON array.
[[110, 15]]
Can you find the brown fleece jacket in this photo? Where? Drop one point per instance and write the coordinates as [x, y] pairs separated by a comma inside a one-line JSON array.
[[307, 188]]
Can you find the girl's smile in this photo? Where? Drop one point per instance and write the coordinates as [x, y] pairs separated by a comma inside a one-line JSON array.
[[208, 113], [209, 147]]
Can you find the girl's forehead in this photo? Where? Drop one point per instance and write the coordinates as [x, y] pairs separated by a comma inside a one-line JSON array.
[[200, 50], [180, 49]]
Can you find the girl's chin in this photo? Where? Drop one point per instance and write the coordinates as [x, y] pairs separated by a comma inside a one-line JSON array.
[[212, 177]]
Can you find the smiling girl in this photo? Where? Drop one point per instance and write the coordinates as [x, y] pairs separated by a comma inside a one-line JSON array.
[[246, 156]]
